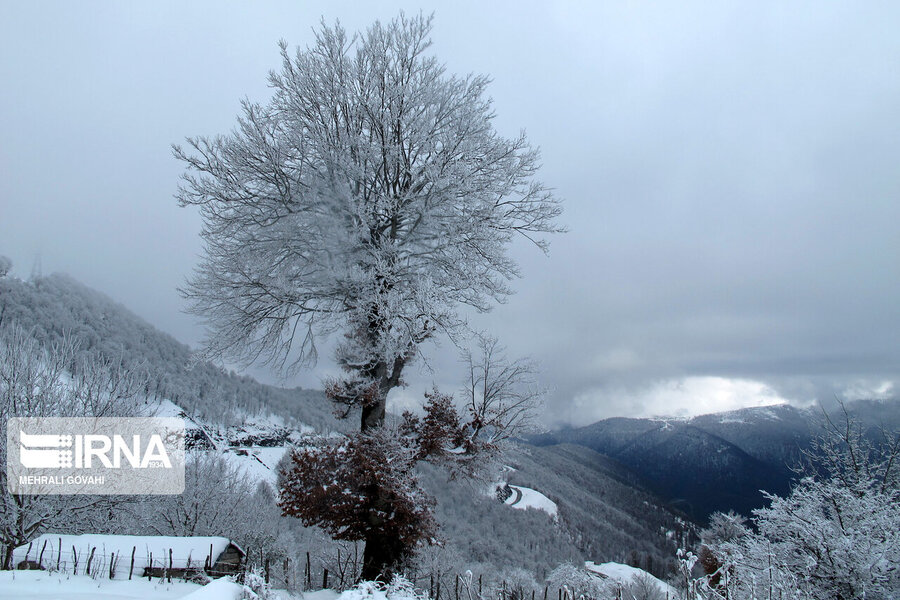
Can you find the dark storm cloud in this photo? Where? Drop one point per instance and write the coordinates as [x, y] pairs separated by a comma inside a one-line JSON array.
[[729, 173]]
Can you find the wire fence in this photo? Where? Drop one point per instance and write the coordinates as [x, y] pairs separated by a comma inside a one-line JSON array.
[[100, 562], [283, 572]]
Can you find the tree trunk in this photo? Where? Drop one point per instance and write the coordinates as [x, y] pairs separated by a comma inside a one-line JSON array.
[[380, 557], [372, 415], [373, 411], [382, 551], [8, 555]]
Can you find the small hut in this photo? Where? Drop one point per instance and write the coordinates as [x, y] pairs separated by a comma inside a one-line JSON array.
[[128, 556]]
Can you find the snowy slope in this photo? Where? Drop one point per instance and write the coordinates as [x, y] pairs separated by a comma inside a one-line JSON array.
[[523, 497], [41, 585], [259, 463], [624, 574], [255, 446]]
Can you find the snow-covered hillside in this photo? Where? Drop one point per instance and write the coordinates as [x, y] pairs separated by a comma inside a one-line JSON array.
[[255, 446], [625, 574], [523, 497]]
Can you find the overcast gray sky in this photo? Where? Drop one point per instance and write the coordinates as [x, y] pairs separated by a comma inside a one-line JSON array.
[[730, 175]]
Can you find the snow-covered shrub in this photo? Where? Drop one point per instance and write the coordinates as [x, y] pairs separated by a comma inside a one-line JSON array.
[[398, 589], [515, 584], [255, 587], [836, 535], [643, 586], [712, 556], [578, 582], [823, 540]]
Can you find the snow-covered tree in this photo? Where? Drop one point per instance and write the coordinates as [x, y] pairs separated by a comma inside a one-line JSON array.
[[836, 535], [515, 584], [54, 382], [643, 586], [578, 582], [370, 196], [218, 499]]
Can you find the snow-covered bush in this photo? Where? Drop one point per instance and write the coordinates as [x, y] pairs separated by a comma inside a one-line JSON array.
[[255, 587], [823, 540], [398, 589], [723, 528], [836, 535], [516, 584], [579, 582], [643, 586]]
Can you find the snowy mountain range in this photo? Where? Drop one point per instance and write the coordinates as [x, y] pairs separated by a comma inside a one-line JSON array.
[[716, 462]]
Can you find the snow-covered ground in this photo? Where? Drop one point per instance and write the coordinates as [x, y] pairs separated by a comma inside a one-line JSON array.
[[523, 497], [238, 444], [624, 574], [259, 463], [41, 585]]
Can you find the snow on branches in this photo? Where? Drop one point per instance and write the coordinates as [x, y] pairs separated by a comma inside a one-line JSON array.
[[371, 197], [836, 535]]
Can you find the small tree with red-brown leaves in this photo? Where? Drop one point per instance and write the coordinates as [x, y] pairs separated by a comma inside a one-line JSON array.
[[364, 486]]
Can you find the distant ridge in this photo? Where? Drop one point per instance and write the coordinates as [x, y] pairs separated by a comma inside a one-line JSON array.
[[715, 462]]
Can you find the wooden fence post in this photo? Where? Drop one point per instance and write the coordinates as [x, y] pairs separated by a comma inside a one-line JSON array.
[[87, 569], [325, 579], [340, 568], [59, 554], [308, 573], [75, 561], [266, 567], [150, 570], [41, 556], [456, 589], [287, 577], [169, 572], [131, 568]]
